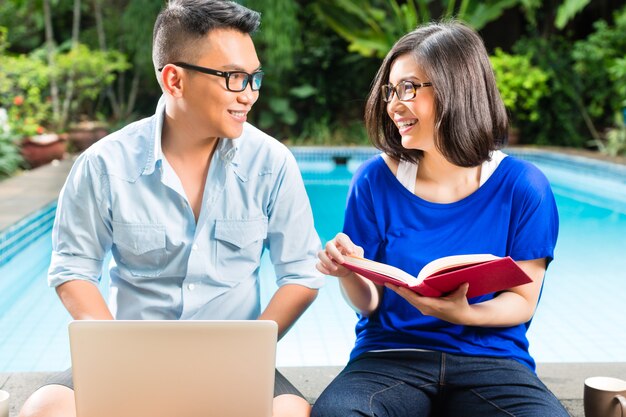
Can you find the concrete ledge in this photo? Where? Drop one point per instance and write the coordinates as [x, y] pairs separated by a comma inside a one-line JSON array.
[[564, 379]]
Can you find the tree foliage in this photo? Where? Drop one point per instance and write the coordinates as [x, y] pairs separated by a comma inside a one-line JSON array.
[[522, 85], [372, 26], [122, 29], [319, 57], [600, 60]]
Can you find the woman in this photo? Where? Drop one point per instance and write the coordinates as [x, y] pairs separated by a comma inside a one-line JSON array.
[[441, 187]]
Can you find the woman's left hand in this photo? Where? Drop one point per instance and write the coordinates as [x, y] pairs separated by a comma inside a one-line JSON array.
[[453, 307], [508, 308]]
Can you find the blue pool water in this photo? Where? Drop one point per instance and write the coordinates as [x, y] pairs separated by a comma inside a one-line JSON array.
[[581, 317]]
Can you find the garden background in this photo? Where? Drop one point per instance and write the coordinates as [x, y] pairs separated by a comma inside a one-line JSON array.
[[69, 66]]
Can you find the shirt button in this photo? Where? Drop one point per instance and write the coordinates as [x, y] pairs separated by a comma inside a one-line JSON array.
[[191, 287], [194, 247]]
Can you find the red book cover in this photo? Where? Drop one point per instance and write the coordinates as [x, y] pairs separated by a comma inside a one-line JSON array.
[[484, 273]]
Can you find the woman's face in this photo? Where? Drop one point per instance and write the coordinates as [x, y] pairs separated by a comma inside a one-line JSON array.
[[415, 117]]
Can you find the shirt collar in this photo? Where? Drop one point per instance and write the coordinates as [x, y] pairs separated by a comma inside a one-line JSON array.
[[156, 152], [227, 148], [158, 130]]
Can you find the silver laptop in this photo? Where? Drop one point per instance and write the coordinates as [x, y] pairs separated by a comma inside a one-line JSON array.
[[173, 368]]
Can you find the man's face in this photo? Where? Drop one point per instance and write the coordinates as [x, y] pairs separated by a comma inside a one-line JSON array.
[[210, 107]]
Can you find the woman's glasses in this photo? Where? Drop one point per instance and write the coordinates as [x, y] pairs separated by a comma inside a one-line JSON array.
[[236, 81], [405, 90]]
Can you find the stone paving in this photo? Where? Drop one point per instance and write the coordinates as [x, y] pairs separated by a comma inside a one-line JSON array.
[[29, 191]]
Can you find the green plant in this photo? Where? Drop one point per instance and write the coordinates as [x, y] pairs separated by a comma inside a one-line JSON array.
[[599, 60], [372, 26], [615, 142], [127, 27], [279, 42], [615, 139], [9, 155], [10, 158], [563, 120], [23, 91], [324, 132], [522, 85], [551, 15], [311, 86], [3, 39], [582, 100], [124, 26], [334, 87], [85, 74]]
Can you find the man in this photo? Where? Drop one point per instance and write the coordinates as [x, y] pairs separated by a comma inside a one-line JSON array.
[[186, 200]]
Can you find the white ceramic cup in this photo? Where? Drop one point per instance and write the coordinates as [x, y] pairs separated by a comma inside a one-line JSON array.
[[605, 397], [4, 403]]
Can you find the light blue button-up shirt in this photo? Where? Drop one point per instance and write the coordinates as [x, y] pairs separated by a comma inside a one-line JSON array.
[[123, 196]]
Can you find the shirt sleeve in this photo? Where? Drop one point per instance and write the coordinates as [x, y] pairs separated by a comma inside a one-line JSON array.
[[292, 240], [360, 221], [82, 234], [536, 219]]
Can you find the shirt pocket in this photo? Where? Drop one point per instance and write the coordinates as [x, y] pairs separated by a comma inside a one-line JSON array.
[[141, 248], [239, 247]]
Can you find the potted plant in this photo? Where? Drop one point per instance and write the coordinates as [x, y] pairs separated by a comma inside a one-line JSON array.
[[41, 149], [85, 133], [37, 146], [23, 94], [83, 74]]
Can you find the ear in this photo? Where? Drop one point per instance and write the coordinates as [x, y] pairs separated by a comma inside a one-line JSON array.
[[172, 79]]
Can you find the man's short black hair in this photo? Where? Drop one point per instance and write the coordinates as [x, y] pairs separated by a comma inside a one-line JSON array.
[[182, 22]]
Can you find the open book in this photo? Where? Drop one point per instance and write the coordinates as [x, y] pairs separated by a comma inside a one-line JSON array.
[[485, 274]]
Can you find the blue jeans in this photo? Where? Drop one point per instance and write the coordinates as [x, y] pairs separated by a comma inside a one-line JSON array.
[[421, 384]]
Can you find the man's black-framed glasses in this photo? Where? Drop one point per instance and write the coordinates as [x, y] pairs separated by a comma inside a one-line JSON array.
[[236, 81], [405, 90]]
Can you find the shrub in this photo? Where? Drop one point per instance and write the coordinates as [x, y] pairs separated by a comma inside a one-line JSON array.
[[83, 75], [562, 117], [10, 157], [23, 91], [599, 60], [614, 143], [521, 84]]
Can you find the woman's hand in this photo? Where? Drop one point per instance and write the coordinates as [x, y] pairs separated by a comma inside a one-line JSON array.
[[332, 257], [508, 308], [452, 308], [360, 293]]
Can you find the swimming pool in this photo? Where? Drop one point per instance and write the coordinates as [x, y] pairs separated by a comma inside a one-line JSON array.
[[581, 318]]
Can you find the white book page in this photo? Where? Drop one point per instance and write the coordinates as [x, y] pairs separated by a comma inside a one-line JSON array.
[[454, 260], [381, 268]]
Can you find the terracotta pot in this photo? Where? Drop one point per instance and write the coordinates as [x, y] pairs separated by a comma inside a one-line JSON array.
[[42, 149], [85, 134]]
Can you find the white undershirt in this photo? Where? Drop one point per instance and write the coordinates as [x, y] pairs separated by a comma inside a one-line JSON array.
[[407, 171]]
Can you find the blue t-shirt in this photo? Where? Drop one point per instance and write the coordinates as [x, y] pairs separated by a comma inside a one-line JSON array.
[[512, 214]]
